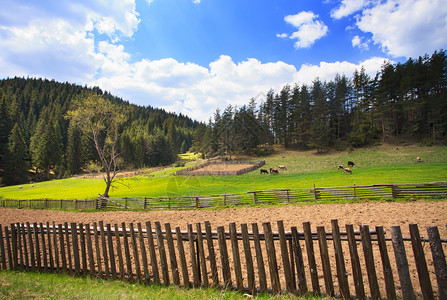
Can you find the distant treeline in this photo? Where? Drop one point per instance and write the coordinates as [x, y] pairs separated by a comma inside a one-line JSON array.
[[403, 102], [37, 136]]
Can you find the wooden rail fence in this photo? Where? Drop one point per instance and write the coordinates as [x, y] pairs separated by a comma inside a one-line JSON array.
[[382, 191], [362, 263]]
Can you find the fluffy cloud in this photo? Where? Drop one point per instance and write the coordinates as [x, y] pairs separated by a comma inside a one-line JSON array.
[[348, 7], [56, 39], [359, 43], [401, 28], [309, 29], [326, 71], [197, 91], [407, 27]]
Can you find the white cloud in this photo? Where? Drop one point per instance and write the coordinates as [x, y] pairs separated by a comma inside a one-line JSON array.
[[309, 29], [359, 43], [326, 71], [197, 91], [194, 90], [56, 40], [282, 35], [407, 27], [348, 7]]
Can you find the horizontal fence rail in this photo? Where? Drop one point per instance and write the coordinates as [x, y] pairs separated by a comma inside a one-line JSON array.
[[363, 263], [276, 196]]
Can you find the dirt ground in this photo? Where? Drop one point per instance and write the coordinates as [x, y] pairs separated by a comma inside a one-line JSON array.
[[387, 214], [433, 213]]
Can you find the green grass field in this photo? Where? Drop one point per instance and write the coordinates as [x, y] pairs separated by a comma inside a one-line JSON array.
[[374, 165], [20, 285]]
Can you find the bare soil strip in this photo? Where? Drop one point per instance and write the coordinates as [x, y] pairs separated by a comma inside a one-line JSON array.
[[424, 213]]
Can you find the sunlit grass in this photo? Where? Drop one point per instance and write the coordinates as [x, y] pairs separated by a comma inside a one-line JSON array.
[[376, 165], [20, 285]]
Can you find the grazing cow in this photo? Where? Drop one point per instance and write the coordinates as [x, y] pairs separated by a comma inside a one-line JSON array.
[[264, 171], [418, 159], [340, 167], [274, 171], [351, 164], [282, 167], [347, 170]]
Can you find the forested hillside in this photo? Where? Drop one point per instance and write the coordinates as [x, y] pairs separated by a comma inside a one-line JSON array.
[[403, 102], [38, 141]]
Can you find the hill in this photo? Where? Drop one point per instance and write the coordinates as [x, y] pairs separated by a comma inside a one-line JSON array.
[[36, 135]]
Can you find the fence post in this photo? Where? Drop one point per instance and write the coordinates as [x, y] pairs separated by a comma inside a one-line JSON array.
[[394, 191], [421, 263], [172, 256], [226, 273], [2, 249], [324, 252], [354, 191], [259, 258], [197, 202], [192, 251], [387, 271], [340, 261], [201, 254], [271, 254], [145, 204], [311, 258], [369, 261], [402, 263], [438, 260], [182, 256], [285, 257], [236, 256], [248, 259], [355, 262]]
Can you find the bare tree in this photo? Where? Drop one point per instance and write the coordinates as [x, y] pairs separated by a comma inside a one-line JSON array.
[[100, 120]]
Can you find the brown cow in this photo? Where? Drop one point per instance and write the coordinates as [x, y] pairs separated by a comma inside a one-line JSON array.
[[347, 170], [274, 171], [282, 167]]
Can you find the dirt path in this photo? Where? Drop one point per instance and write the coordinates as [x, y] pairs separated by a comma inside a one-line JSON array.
[[387, 214]]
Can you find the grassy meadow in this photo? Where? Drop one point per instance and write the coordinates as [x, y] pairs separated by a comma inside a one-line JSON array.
[[20, 285], [375, 165]]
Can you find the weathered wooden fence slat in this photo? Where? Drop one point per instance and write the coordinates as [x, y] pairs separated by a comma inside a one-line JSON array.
[[81, 249], [369, 260], [402, 263], [387, 270]]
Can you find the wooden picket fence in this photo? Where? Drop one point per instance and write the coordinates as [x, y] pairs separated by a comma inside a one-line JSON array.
[[320, 262]]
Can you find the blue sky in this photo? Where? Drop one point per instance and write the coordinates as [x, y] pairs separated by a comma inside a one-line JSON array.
[[193, 56]]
